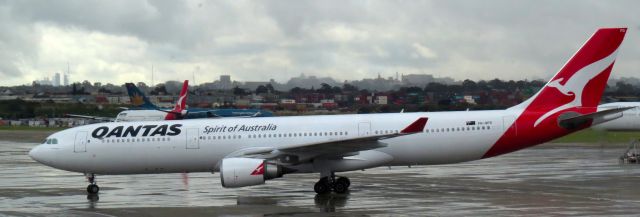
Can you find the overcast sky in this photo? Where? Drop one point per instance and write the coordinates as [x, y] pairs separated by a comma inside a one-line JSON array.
[[118, 41]]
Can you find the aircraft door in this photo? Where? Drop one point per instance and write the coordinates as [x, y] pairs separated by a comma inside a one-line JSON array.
[[364, 128], [192, 138], [80, 144]]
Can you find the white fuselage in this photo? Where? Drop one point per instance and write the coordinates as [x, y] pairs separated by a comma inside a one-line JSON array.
[[449, 137]]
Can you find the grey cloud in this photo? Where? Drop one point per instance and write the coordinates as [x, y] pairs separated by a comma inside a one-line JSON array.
[[260, 40]]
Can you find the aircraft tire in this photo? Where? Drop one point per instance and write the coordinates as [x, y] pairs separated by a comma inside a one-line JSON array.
[[344, 179], [340, 187], [322, 187], [93, 189]]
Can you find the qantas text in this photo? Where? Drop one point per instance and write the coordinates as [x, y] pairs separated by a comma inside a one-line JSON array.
[[133, 131]]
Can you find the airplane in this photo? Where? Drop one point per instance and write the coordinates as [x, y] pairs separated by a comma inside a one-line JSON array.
[[140, 102], [178, 112], [144, 110], [629, 120], [249, 151]]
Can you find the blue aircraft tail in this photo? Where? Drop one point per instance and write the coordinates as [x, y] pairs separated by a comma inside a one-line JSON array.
[[138, 99]]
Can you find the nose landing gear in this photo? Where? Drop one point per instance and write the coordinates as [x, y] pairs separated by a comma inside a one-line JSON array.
[[92, 188]]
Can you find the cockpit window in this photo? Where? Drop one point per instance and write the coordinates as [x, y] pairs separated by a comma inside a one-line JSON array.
[[51, 141], [48, 141]]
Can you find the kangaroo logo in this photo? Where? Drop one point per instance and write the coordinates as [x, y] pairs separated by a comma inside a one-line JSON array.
[[576, 84], [180, 101], [259, 170]]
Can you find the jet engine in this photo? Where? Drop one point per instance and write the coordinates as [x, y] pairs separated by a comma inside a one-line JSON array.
[[241, 172]]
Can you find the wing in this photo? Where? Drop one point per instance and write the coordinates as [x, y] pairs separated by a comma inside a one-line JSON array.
[[330, 149], [105, 119]]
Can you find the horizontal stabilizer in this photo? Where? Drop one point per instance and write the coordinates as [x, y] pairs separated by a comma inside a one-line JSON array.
[[595, 118]]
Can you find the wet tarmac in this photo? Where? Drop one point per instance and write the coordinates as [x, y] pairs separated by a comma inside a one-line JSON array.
[[548, 180]]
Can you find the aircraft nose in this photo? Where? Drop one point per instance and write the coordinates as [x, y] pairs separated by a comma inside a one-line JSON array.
[[34, 153], [41, 155]]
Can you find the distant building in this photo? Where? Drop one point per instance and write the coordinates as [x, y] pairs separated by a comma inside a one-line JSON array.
[[66, 79], [225, 82], [470, 99], [56, 79], [44, 81], [417, 79], [252, 85], [381, 100]]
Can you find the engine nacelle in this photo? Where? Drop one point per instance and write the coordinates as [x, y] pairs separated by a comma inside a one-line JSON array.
[[241, 172]]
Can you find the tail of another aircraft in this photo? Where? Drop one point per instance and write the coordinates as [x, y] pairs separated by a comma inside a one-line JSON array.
[[179, 110], [571, 97], [138, 99]]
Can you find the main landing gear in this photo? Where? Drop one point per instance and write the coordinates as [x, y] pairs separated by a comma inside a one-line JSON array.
[[92, 188], [328, 183]]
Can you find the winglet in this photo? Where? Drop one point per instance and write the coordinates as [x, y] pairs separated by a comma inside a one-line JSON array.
[[415, 127]]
